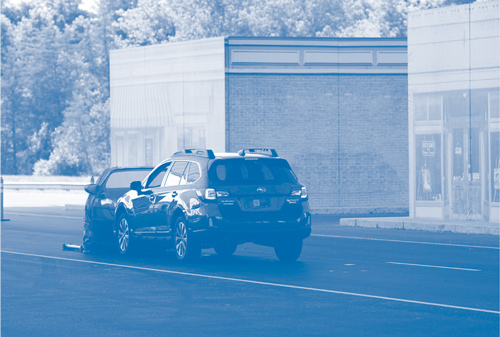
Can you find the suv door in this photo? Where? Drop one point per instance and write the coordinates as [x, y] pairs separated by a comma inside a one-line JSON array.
[[143, 203], [166, 198]]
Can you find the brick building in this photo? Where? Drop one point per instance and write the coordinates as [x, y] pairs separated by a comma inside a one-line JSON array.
[[337, 109]]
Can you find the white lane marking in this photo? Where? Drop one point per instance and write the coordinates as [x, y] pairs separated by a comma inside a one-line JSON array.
[[174, 272], [47, 215], [430, 266], [403, 241]]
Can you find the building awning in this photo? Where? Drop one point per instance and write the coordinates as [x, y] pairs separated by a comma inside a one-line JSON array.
[[140, 106]]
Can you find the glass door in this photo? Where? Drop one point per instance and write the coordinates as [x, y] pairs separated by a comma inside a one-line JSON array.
[[467, 172]]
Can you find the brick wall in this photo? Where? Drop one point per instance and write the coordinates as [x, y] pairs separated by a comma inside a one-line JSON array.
[[345, 136]]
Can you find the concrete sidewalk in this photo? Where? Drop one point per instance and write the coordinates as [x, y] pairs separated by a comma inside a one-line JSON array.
[[431, 225]]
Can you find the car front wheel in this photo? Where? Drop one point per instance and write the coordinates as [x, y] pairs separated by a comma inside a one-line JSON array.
[[288, 250], [123, 236], [186, 248]]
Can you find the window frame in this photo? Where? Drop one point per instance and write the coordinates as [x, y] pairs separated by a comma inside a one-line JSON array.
[[165, 179], [161, 167], [186, 173]]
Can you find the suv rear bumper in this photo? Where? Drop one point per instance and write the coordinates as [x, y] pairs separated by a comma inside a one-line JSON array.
[[262, 232]]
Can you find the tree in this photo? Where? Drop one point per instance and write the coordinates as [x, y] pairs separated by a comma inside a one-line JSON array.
[[380, 18], [54, 78], [81, 141], [36, 83], [148, 23]]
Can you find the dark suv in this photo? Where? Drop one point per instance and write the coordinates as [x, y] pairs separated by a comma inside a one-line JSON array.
[[197, 199]]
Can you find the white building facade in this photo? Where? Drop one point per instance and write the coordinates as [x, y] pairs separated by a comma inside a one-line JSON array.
[[165, 98], [454, 112]]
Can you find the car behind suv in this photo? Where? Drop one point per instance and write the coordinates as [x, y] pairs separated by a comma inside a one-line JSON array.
[[101, 204], [197, 199]]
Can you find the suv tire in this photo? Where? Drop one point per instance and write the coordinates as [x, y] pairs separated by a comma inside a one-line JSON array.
[[185, 247], [288, 250]]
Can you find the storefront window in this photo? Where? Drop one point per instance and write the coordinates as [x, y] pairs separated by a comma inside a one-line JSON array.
[[427, 107], [148, 151], [456, 105], [446, 163], [434, 104], [428, 167], [495, 166], [132, 149], [191, 137], [494, 104], [487, 188], [479, 105], [120, 151], [420, 107]]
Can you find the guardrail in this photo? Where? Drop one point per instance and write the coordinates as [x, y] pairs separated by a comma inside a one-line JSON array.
[[1, 201], [44, 186]]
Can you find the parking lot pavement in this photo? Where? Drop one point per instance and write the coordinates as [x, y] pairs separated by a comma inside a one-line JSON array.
[[362, 282]]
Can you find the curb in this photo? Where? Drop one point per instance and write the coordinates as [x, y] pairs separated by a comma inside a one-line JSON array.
[[74, 207], [465, 227], [45, 186]]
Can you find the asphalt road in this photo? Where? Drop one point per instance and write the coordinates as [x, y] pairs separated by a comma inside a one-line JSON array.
[[348, 282]]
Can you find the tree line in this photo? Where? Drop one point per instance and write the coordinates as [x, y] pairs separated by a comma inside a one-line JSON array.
[[55, 91]]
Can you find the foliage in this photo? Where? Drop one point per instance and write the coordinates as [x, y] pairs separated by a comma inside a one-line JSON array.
[[54, 71], [149, 23], [55, 60], [36, 81]]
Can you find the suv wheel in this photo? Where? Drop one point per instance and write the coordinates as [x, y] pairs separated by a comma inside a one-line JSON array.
[[123, 236], [225, 248], [185, 247], [288, 250]]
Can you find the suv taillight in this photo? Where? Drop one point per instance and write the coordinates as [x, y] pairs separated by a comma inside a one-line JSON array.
[[222, 194], [210, 194], [302, 192]]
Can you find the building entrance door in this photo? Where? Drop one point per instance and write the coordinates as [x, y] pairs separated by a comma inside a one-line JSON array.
[[467, 156]]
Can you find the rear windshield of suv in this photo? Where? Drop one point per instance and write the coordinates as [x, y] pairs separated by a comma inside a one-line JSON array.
[[251, 171]]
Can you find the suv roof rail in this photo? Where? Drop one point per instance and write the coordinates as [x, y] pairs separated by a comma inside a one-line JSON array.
[[196, 152], [265, 152]]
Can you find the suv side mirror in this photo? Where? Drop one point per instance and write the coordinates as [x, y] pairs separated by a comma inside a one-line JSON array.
[[91, 188], [136, 186]]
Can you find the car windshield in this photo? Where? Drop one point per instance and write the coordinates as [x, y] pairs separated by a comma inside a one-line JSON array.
[[251, 171], [122, 179]]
